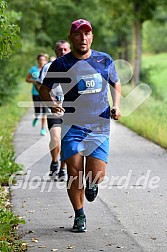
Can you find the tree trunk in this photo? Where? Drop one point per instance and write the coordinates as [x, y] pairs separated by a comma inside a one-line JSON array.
[[123, 48], [125, 45], [136, 48]]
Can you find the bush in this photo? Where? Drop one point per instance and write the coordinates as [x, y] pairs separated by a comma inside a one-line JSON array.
[[145, 77], [8, 81]]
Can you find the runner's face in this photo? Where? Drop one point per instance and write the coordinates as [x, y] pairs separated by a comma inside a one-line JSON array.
[[81, 40], [63, 49], [42, 61]]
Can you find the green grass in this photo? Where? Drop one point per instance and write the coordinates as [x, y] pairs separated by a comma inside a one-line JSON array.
[[157, 67], [10, 115], [150, 119]]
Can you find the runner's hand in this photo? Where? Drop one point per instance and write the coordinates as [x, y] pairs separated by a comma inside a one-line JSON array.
[[115, 113], [57, 109]]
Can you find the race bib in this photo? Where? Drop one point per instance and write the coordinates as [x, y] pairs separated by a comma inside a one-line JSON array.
[[88, 84]]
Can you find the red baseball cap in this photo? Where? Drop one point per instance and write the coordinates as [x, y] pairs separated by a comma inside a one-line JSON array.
[[79, 23]]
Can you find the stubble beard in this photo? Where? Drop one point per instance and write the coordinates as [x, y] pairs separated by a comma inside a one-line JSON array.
[[82, 52]]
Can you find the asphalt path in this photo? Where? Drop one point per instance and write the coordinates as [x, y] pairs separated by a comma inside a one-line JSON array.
[[129, 213]]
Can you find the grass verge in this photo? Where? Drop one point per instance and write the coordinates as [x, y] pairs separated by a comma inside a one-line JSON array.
[[10, 115], [149, 120]]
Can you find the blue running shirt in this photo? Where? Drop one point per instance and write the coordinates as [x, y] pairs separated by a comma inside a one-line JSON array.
[[85, 87], [34, 71]]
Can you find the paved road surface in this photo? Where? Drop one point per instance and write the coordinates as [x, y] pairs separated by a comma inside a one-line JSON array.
[[129, 213]]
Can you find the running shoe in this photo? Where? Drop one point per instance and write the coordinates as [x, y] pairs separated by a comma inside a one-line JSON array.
[[91, 191], [34, 122], [54, 169], [43, 132], [62, 175], [79, 224]]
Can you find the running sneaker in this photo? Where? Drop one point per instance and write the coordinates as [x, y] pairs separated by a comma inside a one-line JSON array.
[[62, 175], [43, 132], [79, 224], [54, 169], [91, 191], [34, 122]]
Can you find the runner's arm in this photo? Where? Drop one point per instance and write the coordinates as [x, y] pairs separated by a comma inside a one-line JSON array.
[[29, 79], [116, 95], [37, 85], [44, 93]]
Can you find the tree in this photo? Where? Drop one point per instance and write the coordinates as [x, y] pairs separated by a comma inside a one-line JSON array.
[[142, 11], [9, 38], [155, 32], [127, 21], [117, 27]]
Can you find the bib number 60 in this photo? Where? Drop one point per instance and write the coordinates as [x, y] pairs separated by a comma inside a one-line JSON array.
[[90, 83]]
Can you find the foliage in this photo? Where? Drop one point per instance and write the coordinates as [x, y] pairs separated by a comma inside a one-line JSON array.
[[10, 115], [146, 77], [149, 120], [9, 43], [8, 224], [7, 166], [14, 68], [45, 30], [43, 22], [8, 80], [155, 31], [157, 64], [155, 37], [9, 39]]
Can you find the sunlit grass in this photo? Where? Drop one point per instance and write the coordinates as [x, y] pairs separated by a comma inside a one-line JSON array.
[[150, 119], [158, 72]]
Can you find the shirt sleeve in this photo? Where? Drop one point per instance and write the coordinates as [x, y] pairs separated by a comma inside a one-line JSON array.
[[50, 76], [43, 72], [31, 70], [34, 72], [113, 76]]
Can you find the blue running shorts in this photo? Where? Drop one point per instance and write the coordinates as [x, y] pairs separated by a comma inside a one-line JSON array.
[[84, 141]]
